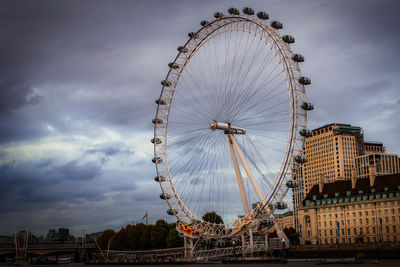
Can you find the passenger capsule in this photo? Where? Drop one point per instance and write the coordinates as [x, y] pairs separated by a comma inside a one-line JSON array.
[[305, 133], [156, 141], [173, 65], [304, 80], [160, 101], [280, 205], [172, 211], [192, 35], [262, 15], [276, 25], [292, 184], [288, 39], [307, 106], [297, 57], [204, 22], [183, 49], [159, 179], [218, 15], [165, 196], [248, 11], [233, 11], [166, 83], [300, 159], [157, 121], [156, 160]]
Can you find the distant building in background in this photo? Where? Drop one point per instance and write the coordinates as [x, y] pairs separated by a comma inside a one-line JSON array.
[[384, 164], [61, 235], [52, 235], [374, 147], [285, 220]]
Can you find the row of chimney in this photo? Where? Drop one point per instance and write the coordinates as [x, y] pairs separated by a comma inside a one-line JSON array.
[[354, 176]]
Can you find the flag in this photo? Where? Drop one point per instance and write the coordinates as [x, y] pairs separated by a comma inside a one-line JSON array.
[[145, 216]]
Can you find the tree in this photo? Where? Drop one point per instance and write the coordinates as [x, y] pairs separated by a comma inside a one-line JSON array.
[[105, 237], [213, 217], [173, 240], [159, 234]]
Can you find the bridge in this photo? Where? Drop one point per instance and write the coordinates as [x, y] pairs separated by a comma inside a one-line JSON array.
[[48, 249]]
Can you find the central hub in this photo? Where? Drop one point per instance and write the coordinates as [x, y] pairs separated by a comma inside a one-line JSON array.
[[227, 128]]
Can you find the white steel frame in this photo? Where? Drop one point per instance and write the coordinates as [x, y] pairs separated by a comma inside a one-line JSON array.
[[298, 119]]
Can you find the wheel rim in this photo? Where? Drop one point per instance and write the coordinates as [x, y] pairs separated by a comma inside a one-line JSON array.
[[187, 114]]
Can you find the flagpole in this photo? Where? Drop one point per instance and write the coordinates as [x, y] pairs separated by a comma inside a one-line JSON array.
[[147, 216]]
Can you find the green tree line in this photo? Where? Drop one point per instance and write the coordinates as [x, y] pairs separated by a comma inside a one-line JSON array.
[[141, 236]]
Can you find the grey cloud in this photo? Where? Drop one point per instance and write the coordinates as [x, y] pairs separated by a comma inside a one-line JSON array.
[[73, 170], [15, 95]]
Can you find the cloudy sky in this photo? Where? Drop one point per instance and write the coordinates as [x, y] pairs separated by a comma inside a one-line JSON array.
[[78, 80]]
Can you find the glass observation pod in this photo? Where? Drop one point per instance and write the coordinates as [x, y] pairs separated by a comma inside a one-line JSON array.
[[173, 65], [183, 49], [156, 141], [233, 11], [292, 184], [248, 11], [267, 223], [307, 106], [276, 25], [193, 35], [172, 211], [156, 160], [160, 101], [204, 22], [166, 83], [298, 58], [300, 159], [305, 132], [157, 121], [280, 205], [218, 15], [159, 179], [165, 196], [304, 80], [288, 39], [262, 15]]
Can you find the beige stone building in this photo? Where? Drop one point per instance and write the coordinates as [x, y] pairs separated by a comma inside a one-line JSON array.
[[285, 220], [352, 211], [330, 153]]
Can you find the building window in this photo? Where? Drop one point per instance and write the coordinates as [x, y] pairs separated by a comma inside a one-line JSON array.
[[355, 230], [394, 229]]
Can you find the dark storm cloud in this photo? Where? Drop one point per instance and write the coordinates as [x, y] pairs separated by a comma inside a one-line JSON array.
[[15, 95], [39, 182]]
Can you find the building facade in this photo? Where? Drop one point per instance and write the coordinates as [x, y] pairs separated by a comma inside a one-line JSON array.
[[364, 210], [285, 220], [384, 164], [330, 152]]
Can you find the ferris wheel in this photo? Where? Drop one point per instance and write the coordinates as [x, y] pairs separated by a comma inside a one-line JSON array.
[[230, 124]]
